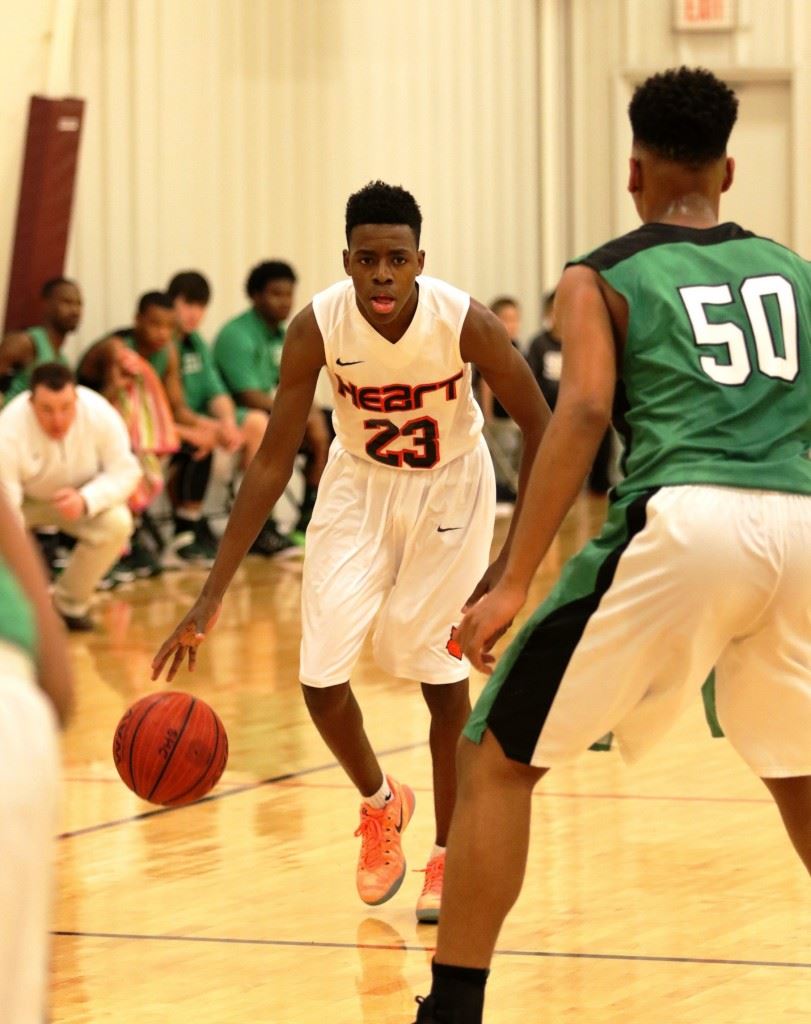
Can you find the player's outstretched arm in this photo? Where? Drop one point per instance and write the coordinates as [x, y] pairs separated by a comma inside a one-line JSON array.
[[485, 342], [566, 452], [262, 486]]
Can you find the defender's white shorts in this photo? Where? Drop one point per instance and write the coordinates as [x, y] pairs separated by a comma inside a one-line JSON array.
[[28, 819], [407, 547], [681, 580]]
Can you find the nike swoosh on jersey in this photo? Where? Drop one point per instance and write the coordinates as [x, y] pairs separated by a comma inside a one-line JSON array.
[[447, 529], [351, 362]]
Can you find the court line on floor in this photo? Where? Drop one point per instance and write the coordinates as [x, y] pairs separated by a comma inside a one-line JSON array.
[[540, 793], [292, 783], [233, 791], [116, 780], [537, 953]]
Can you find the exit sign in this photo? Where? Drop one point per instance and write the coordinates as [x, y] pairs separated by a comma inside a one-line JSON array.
[[704, 15]]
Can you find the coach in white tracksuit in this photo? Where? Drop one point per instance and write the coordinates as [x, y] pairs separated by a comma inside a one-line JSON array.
[[65, 461]]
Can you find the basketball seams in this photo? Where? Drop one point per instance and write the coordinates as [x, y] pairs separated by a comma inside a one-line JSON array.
[[220, 731], [188, 764], [174, 748], [147, 710]]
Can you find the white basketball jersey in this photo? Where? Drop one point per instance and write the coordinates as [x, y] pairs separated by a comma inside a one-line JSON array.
[[408, 404]]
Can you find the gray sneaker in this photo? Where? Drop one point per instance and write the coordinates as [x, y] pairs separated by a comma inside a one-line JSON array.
[[271, 543], [184, 551]]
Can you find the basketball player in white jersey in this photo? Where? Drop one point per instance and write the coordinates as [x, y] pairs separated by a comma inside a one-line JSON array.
[[402, 526]]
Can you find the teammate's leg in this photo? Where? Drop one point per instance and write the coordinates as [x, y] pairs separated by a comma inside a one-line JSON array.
[[793, 799], [337, 716], [449, 705], [387, 805]]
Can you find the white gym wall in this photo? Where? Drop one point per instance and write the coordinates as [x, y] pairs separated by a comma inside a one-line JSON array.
[[222, 132]]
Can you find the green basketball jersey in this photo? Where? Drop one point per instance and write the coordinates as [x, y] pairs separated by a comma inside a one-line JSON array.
[[44, 352], [159, 361], [17, 624], [198, 374], [715, 378]]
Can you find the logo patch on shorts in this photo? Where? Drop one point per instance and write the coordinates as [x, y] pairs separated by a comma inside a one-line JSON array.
[[452, 646]]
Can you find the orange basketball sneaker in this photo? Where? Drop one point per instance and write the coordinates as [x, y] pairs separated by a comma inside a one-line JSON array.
[[381, 864], [431, 896]]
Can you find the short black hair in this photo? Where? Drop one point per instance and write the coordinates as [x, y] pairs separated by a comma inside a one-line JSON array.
[[150, 299], [191, 286], [53, 376], [684, 115], [379, 203], [263, 273], [50, 286]]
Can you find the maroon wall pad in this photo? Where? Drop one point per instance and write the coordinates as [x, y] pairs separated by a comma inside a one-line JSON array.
[[46, 200]]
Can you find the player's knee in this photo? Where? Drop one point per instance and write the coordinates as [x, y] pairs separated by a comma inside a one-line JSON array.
[[324, 702], [447, 702], [116, 524], [486, 762], [254, 425]]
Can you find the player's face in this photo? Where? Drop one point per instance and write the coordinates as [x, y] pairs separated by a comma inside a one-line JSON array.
[[383, 262], [154, 328], [275, 301], [64, 307], [188, 315], [55, 410]]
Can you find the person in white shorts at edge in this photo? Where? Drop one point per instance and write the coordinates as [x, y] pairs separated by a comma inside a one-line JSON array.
[[403, 521], [698, 335], [36, 694]]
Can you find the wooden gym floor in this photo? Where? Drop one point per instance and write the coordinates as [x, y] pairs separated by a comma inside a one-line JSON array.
[[667, 893]]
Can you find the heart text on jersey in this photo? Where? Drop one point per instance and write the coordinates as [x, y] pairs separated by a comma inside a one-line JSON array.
[[395, 397]]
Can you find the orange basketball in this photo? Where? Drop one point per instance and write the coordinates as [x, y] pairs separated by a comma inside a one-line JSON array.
[[170, 748]]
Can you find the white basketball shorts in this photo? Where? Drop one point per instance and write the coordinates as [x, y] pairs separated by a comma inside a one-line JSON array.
[[680, 581], [404, 547]]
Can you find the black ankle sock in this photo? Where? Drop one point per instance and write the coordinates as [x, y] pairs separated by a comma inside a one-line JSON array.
[[459, 992]]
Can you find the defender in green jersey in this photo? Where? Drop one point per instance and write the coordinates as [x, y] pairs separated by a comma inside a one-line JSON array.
[[697, 335]]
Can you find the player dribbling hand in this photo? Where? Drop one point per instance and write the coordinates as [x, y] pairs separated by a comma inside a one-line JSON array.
[[187, 636]]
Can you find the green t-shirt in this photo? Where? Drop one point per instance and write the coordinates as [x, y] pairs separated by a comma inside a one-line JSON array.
[[248, 354], [199, 376], [44, 352], [17, 624], [715, 381], [159, 361]]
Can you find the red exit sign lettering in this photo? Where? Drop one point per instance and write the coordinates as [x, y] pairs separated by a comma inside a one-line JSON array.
[[704, 15]]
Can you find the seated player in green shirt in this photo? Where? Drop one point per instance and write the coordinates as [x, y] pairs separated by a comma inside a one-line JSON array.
[[151, 337], [248, 352], [206, 395], [22, 351]]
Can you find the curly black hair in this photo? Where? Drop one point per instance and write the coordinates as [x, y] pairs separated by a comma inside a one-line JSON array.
[[379, 203], [684, 115]]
